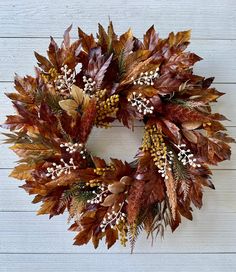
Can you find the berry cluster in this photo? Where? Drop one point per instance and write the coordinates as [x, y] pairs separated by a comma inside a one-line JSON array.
[[98, 196], [65, 81], [58, 169], [141, 103], [146, 78], [89, 85], [74, 147], [186, 157]]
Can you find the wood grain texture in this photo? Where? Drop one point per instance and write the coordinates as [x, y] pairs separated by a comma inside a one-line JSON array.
[[24, 232], [209, 19], [218, 57], [117, 262]]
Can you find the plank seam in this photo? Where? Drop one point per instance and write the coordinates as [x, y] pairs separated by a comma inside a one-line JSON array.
[[123, 253], [74, 37]]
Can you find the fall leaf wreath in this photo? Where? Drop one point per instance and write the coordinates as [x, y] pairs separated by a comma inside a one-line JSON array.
[[91, 83]]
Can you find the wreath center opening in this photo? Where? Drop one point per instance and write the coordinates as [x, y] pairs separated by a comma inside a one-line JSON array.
[[115, 142]]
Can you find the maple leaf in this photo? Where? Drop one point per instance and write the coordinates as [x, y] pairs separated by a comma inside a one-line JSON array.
[[150, 39], [180, 40], [88, 41], [59, 56]]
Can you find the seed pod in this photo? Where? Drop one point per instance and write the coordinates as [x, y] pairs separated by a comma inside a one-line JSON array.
[[116, 187], [190, 135], [190, 125], [109, 201], [126, 180]]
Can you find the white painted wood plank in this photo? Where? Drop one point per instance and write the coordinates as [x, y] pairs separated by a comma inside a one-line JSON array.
[[219, 57], [225, 105], [115, 263], [209, 19], [221, 200], [213, 229], [115, 142], [24, 232]]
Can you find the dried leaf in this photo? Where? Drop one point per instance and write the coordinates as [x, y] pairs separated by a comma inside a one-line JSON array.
[[70, 106], [22, 171]]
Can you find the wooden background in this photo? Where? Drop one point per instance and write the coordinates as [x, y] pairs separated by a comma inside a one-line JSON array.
[[30, 243]]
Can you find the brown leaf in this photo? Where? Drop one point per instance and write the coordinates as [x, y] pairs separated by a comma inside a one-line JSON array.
[[25, 149], [150, 39], [88, 41], [153, 191], [178, 113], [111, 237], [83, 237], [43, 62], [179, 40], [66, 37], [99, 163]]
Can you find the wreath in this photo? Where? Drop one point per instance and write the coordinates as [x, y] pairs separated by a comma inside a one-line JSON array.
[[93, 82]]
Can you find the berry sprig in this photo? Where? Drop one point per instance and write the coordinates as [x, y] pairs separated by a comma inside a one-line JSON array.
[[146, 78], [58, 169], [89, 86], [98, 196], [113, 218], [142, 104], [186, 156], [65, 81], [74, 147]]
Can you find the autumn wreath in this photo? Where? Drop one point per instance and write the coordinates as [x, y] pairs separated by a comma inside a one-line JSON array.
[[93, 82]]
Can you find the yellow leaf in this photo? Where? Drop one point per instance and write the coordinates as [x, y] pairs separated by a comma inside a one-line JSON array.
[[22, 171], [24, 150], [70, 106], [86, 101], [77, 94], [47, 207]]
